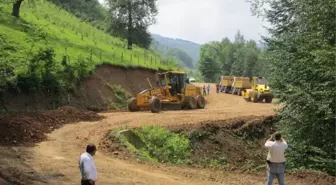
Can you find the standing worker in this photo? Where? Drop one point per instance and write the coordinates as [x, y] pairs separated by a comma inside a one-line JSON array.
[[208, 89], [87, 167], [276, 158], [204, 91], [217, 88]]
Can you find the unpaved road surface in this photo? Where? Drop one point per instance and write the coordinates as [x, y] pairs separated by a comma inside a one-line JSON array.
[[56, 160]]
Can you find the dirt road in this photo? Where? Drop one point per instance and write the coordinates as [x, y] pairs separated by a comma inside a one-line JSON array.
[[55, 160]]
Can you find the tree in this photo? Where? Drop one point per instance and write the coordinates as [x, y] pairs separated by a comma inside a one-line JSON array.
[[16, 8], [237, 58], [132, 16], [301, 55], [208, 65]]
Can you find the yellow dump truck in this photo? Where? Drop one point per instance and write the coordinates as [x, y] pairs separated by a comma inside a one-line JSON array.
[[240, 84], [226, 83]]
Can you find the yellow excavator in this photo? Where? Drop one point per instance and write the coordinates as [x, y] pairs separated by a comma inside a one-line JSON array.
[[258, 92], [173, 92]]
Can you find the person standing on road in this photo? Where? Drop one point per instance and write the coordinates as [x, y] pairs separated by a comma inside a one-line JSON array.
[[208, 89], [217, 88], [276, 158], [204, 91], [87, 167]]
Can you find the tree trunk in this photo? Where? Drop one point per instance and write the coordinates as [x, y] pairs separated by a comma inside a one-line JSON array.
[[16, 8], [130, 27]]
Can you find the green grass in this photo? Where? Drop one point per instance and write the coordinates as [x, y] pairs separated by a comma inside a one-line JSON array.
[[47, 25], [160, 145]]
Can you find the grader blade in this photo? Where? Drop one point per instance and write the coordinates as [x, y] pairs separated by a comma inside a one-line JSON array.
[[171, 106]]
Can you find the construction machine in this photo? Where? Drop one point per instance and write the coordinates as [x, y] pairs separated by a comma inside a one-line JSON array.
[[173, 92], [226, 83], [240, 84], [258, 92]]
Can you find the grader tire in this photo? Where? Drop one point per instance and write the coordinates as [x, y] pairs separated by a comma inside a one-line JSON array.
[[190, 102], [254, 97], [155, 105], [200, 102], [132, 105], [268, 99]]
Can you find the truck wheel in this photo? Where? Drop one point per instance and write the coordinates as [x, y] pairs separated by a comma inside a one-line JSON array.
[[132, 105], [200, 102], [239, 92], [155, 105], [268, 99], [226, 89], [191, 102]]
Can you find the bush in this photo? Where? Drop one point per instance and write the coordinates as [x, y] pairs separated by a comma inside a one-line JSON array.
[[164, 145]]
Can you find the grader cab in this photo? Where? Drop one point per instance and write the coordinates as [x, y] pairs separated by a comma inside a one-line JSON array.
[[258, 92], [173, 92]]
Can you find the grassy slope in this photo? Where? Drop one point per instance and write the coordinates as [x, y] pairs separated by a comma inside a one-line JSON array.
[[68, 35]]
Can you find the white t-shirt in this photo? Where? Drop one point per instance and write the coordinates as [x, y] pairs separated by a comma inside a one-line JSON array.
[[276, 151], [87, 167]]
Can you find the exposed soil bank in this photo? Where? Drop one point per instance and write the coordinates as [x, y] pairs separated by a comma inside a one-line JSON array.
[[29, 128], [230, 144], [93, 92], [235, 143]]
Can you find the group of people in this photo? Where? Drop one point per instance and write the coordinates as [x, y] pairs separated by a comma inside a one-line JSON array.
[[275, 161]]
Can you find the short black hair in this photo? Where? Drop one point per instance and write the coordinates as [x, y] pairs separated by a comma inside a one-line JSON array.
[[277, 136], [91, 148]]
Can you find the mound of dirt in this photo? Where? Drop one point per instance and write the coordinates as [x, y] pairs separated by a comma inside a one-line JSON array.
[[236, 143], [30, 127]]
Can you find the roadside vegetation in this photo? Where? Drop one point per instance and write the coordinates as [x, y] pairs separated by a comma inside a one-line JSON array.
[[216, 145], [47, 49]]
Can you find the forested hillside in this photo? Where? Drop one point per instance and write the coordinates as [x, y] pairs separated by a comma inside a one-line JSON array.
[[183, 58], [239, 58], [191, 48]]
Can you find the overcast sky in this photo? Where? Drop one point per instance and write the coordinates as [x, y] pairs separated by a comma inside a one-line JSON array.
[[202, 21]]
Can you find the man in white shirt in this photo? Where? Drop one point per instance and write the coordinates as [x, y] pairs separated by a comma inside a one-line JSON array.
[[87, 167], [276, 158]]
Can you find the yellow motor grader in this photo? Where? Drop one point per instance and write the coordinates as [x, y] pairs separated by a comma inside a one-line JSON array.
[[173, 92], [258, 92]]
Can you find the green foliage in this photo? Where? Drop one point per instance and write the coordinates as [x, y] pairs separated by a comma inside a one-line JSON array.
[[163, 145], [46, 24], [238, 58], [130, 19], [215, 163], [302, 72], [121, 96], [88, 10]]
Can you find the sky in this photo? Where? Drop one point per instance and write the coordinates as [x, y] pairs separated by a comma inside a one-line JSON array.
[[202, 21]]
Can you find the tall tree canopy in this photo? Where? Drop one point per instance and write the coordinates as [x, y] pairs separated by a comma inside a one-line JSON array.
[[131, 18], [301, 59], [239, 58]]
